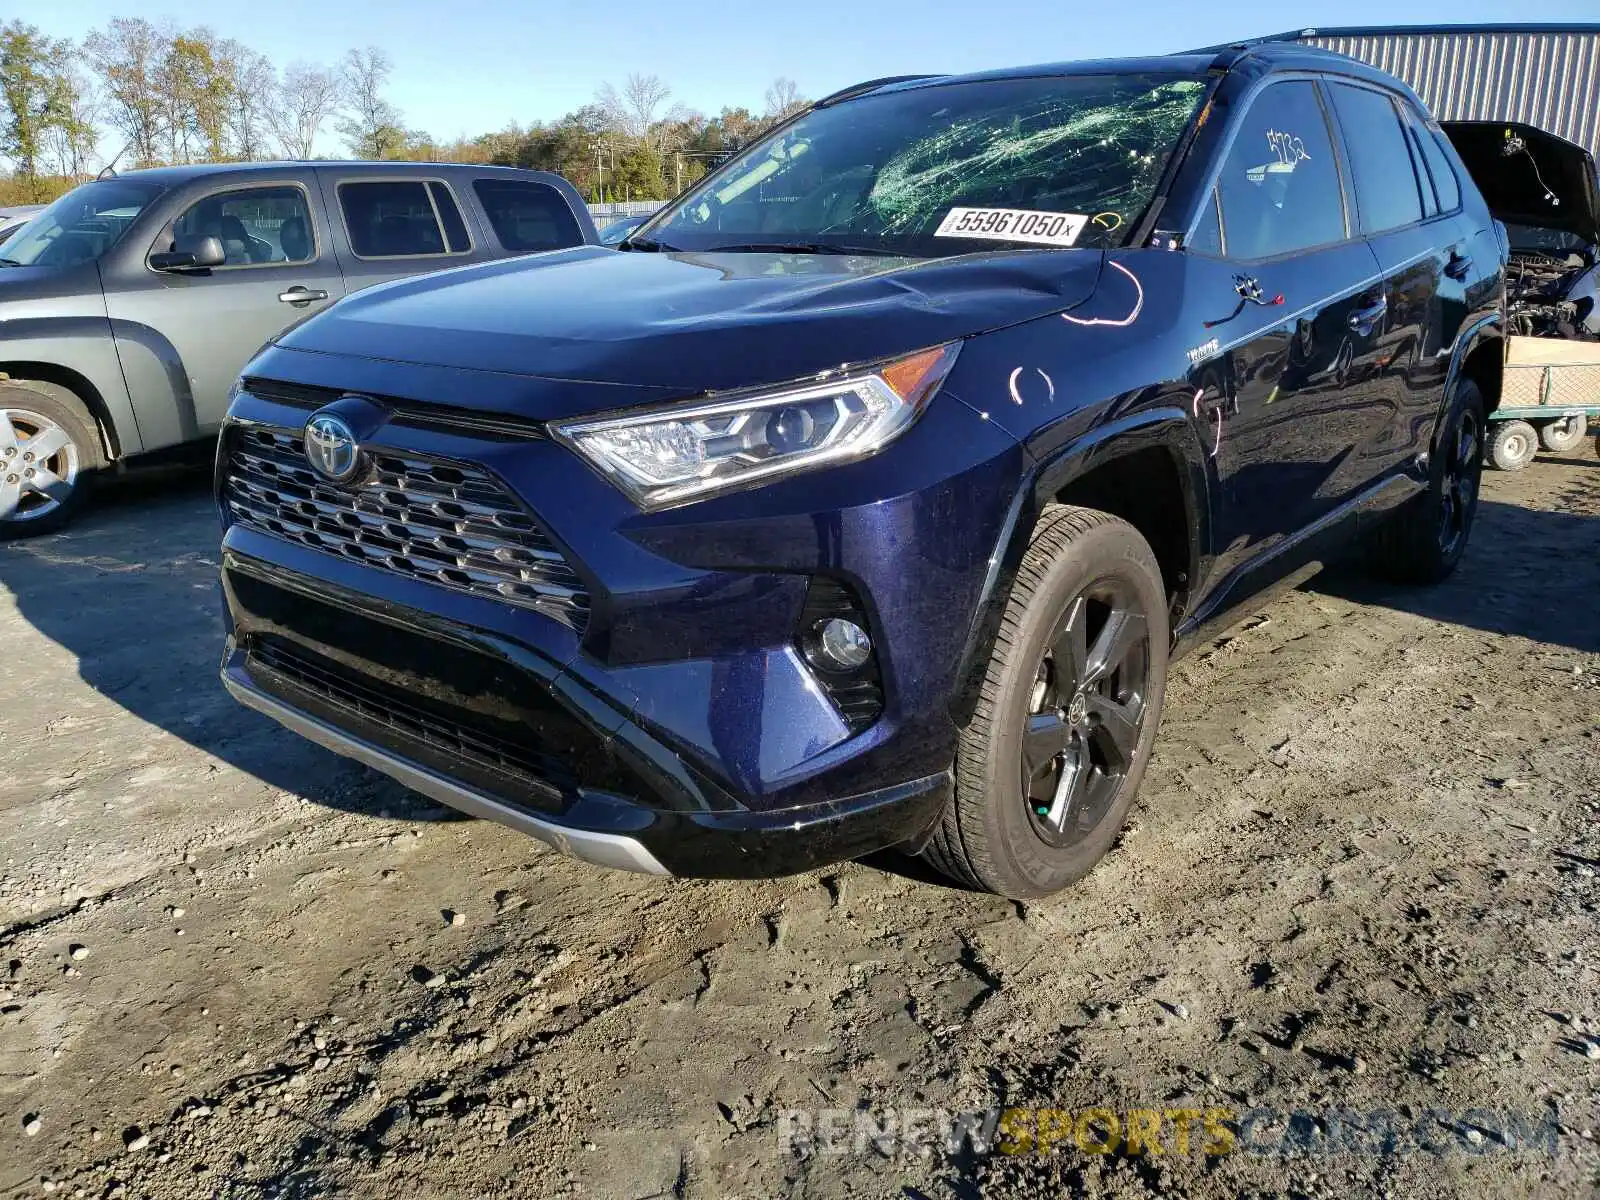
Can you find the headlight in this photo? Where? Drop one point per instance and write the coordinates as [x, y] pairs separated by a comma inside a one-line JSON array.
[[669, 456]]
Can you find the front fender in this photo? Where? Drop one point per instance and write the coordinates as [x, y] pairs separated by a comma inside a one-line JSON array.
[[1164, 426], [78, 352]]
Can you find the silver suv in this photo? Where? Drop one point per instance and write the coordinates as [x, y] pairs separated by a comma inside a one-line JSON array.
[[129, 305]]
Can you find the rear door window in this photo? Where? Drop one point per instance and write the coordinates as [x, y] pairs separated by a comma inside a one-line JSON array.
[[528, 216], [1388, 194], [1279, 184], [399, 218]]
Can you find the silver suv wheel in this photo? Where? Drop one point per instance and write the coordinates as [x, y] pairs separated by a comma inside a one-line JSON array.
[[38, 466]]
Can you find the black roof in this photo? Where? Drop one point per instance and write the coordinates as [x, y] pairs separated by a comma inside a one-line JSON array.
[[1282, 52], [1442, 30]]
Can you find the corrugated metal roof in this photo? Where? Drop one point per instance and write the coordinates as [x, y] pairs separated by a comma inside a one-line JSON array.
[[1544, 76]]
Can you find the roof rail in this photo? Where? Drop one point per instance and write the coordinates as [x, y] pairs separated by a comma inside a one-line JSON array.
[[860, 89]]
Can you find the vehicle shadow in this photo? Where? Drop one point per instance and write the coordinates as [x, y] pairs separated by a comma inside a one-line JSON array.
[[130, 590], [1526, 573]]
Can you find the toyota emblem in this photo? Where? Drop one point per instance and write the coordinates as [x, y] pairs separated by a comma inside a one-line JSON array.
[[331, 447]]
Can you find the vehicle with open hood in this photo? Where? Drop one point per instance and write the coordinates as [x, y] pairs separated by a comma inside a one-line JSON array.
[[1544, 190], [861, 497]]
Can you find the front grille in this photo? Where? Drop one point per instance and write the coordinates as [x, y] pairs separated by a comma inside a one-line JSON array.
[[400, 717], [447, 522]]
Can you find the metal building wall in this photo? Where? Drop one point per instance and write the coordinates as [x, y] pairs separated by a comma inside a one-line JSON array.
[[1546, 78]]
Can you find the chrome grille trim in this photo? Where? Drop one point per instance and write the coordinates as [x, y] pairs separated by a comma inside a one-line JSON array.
[[447, 522]]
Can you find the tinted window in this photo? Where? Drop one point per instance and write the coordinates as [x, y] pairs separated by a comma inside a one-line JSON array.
[[82, 225], [391, 218], [1380, 160], [1444, 175], [455, 231], [526, 215], [1280, 182], [1207, 237], [257, 226]]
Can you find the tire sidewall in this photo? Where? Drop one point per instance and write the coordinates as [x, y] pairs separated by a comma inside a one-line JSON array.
[[65, 412], [1467, 399], [1016, 850]]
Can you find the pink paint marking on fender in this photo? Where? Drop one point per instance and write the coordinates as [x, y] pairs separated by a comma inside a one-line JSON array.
[[1138, 306]]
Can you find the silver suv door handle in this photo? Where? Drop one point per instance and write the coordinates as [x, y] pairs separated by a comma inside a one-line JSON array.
[[302, 295]]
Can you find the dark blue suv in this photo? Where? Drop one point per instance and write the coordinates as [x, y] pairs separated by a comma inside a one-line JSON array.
[[862, 496]]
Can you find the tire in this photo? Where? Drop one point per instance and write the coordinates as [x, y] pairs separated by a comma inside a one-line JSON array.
[[1565, 434], [1028, 834], [30, 410], [1423, 542], [1513, 445]]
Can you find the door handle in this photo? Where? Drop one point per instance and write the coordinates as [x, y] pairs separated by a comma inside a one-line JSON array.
[[1459, 266], [302, 295], [1363, 319]]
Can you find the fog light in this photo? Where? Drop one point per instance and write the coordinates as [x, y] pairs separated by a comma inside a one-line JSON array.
[[838, 645]]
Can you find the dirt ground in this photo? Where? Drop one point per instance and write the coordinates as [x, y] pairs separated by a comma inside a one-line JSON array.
[[1361, 875]]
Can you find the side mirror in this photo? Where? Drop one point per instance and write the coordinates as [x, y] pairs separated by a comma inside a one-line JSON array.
[[196, 254]]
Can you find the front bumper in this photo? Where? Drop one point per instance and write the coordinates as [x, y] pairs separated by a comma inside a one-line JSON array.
[[677, 727], [737, 844]]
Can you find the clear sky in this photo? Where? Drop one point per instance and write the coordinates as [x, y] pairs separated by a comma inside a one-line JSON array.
[[468, 66]]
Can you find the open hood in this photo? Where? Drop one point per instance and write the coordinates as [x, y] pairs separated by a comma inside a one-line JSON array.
[[1530, 177]]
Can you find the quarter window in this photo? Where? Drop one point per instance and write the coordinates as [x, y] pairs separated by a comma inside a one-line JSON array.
[[527, 215], [1444, 175], [399, 218], [1279, 185], [1387, 192], [1207, 237], [257, 226]]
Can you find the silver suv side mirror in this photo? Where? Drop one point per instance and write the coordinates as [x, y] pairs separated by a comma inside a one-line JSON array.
[[196, 254]]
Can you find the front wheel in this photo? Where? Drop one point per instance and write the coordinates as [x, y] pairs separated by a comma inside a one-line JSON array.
[[49, 452], [1425, 539], [1513, 446], [1047, 768]]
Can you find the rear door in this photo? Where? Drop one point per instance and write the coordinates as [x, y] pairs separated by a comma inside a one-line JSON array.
[[1297, 306], [1414, 228], [389, 224], [205, 325]]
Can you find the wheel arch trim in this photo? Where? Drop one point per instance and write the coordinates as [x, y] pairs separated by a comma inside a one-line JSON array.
[[1166, 427]]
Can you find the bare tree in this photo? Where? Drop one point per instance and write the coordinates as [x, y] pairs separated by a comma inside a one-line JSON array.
[[253, 95], [373, 127], [128, 55], [308, 96], [784, 99], [73, 136], [634, 109]]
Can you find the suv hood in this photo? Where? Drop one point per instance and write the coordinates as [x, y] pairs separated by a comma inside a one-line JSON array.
[[1516, 189], [693, 321]]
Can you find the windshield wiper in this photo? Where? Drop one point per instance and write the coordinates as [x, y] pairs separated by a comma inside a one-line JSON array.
[[800, 248], [654, 244], [11, 262]]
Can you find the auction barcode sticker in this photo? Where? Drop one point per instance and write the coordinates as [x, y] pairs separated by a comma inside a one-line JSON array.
[[1012, 225]]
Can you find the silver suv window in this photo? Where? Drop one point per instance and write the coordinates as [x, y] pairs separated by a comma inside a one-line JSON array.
[[401, 218], [257, 226], [81, 226]]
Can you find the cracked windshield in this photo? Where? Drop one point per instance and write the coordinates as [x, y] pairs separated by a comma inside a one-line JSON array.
[[947, 169]]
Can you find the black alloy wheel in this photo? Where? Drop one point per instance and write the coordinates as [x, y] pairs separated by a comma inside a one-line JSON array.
[[1463, 468], [1086, 713]]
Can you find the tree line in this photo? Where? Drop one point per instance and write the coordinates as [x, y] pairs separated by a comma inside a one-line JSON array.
[[169, 95]]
